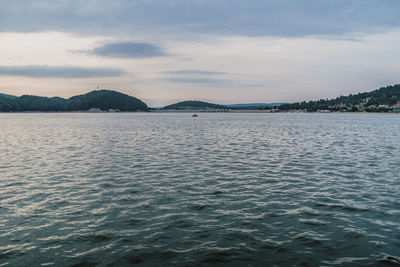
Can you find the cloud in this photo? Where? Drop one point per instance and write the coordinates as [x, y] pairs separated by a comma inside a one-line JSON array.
[[129, 50], [290, 18], [196, 76], [79, 51], [201, 77], [59, 72], [196, 80], [194, 72]]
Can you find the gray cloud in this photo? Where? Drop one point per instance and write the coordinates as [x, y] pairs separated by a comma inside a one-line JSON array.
[[129, 50], [59, 72], [212, 81], [196, 76], [79, 51], [194, 72], [197, 80], [291, 18]]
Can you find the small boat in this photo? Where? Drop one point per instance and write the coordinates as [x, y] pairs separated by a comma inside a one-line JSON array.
[[195, 115]]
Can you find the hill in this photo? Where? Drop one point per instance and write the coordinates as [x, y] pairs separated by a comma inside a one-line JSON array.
[[102, 99], [105, 100], [194, 105], [38, 103], [381, 100], [7, 96]]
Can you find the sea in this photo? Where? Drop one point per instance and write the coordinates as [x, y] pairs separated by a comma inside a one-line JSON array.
[[221, 189]]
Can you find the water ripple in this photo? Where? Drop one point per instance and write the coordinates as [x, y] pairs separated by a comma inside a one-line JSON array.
[[221, 189]]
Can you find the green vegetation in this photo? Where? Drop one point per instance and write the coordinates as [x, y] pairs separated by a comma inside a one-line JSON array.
[[102, 99], [7, 96], [194, 105], [105, 100], [384, 99]]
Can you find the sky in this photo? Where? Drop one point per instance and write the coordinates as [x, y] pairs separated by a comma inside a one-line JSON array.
[[220, 51]]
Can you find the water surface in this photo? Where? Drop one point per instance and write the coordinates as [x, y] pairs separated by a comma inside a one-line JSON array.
[[159, 189]]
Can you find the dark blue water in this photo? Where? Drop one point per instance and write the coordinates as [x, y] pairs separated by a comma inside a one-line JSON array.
[[221, 189]]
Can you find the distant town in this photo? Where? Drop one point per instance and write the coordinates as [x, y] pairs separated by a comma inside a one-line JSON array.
[[385, 99]]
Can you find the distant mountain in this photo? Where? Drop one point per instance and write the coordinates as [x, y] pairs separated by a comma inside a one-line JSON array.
[[105, 100], [194, 105], [102, 99], [7, 96], [253, 105], [382, 99]]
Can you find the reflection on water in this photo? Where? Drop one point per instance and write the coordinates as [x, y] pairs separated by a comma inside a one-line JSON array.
[[220, 189]]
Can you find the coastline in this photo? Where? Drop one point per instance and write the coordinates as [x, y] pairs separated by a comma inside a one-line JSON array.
[[198, 111]]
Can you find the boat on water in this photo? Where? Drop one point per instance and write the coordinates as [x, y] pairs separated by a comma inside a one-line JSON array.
[[195, 115]]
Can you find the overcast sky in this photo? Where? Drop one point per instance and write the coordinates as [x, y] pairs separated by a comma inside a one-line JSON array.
[[221, 51]]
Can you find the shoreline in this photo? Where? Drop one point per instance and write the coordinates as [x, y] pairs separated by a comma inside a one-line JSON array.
[[198, 111]]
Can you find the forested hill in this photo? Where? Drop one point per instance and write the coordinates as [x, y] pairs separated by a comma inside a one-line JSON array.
[[382, 99], [194, 105], [7, 96], [101, 100]]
